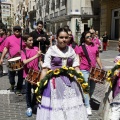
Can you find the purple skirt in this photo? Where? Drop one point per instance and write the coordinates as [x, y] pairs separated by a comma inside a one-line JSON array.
[[62, 100]]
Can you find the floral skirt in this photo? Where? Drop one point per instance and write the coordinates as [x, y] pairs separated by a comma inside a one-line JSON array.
[[62, 101]]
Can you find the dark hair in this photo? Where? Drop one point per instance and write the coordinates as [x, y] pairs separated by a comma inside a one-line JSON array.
[[72, 40], [3, 29], [25, 37], [61, 30], [40, 22], [82, 39], [66, 27], [17, 28]]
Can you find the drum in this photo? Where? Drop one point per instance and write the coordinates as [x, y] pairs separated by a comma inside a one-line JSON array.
[[15, 64], [97, 75], [33, 76]]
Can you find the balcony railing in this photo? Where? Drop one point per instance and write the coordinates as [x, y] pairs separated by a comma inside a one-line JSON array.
[[62, 12], [55, 14], [51, 16], [86, 11], [53, 5], [57, 4], [47, 17]]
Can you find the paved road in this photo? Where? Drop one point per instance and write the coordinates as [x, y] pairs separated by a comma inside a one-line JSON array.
[[12, 107]]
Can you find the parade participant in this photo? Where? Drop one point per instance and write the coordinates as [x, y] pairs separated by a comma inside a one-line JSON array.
[[95, 39], [91, 30], [105, 41], [2, 43], [97, 36], [71, 41], [9, 32], [85, 64], [29, 56], [40, 36], [52, 40], [62, 96], [13, 47], [115, 104]]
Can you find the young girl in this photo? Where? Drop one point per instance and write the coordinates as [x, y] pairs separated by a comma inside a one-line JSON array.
[[61, 98], [2, 43], [115, 105], [85, 66], [30, 59], [71, 41]]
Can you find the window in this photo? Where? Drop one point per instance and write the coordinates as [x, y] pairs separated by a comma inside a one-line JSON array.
[[53, 5], [116, 14], [57, 3], [47, 8]]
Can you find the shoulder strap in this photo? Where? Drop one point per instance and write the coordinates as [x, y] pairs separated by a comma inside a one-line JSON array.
[[74, 45], [24, 50], [86, 54], [21, 43], [2, 40]]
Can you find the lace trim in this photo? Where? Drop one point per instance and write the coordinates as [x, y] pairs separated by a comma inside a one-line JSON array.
[[71, 106]]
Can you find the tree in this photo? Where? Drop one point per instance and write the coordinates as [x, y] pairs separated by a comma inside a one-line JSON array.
[[77, 25], [9, 20]]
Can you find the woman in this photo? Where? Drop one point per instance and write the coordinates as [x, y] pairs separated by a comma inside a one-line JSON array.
[[62, 98], [71, 41], [105, 41], [115, 104], [86, 64]]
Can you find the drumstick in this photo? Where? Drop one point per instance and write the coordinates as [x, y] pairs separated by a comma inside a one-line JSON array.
[[39, 46], [41, 53]]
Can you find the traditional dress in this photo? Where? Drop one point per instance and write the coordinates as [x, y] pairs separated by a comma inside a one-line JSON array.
[[62, 98], [115, 104]]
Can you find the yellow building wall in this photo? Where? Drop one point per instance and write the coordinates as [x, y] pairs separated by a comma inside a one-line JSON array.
[[106, 15]]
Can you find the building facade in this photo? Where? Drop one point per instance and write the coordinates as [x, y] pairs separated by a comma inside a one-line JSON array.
[[110, 18], [32, 14], [9, 12], [21, 13], [6, 13], [58, 13]]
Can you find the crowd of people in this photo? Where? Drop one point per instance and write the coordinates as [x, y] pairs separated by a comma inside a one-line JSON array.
[[62, 96]]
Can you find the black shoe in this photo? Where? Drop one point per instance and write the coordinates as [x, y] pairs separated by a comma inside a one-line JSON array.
[[1, 75], [11, 88], [34, 109], [18, 92]]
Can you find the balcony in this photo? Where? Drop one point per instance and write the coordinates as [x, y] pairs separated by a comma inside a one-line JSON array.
[[46, 17], [62, 12], [86, 11], [51, 16], [56, 14]]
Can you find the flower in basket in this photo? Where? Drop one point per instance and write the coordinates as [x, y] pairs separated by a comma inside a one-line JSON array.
[[108, 79], [71, 68], [109, 73], [80, 73], [39, 98], [56, 71], [45, 83], [118, 62], [38, 83], [63, 70], [71, 75], [36, 90], [80, 80], [49, 71], [84, 85], [64, 67]]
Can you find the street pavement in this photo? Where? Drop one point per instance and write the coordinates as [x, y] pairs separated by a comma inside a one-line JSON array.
[[13, 107]]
